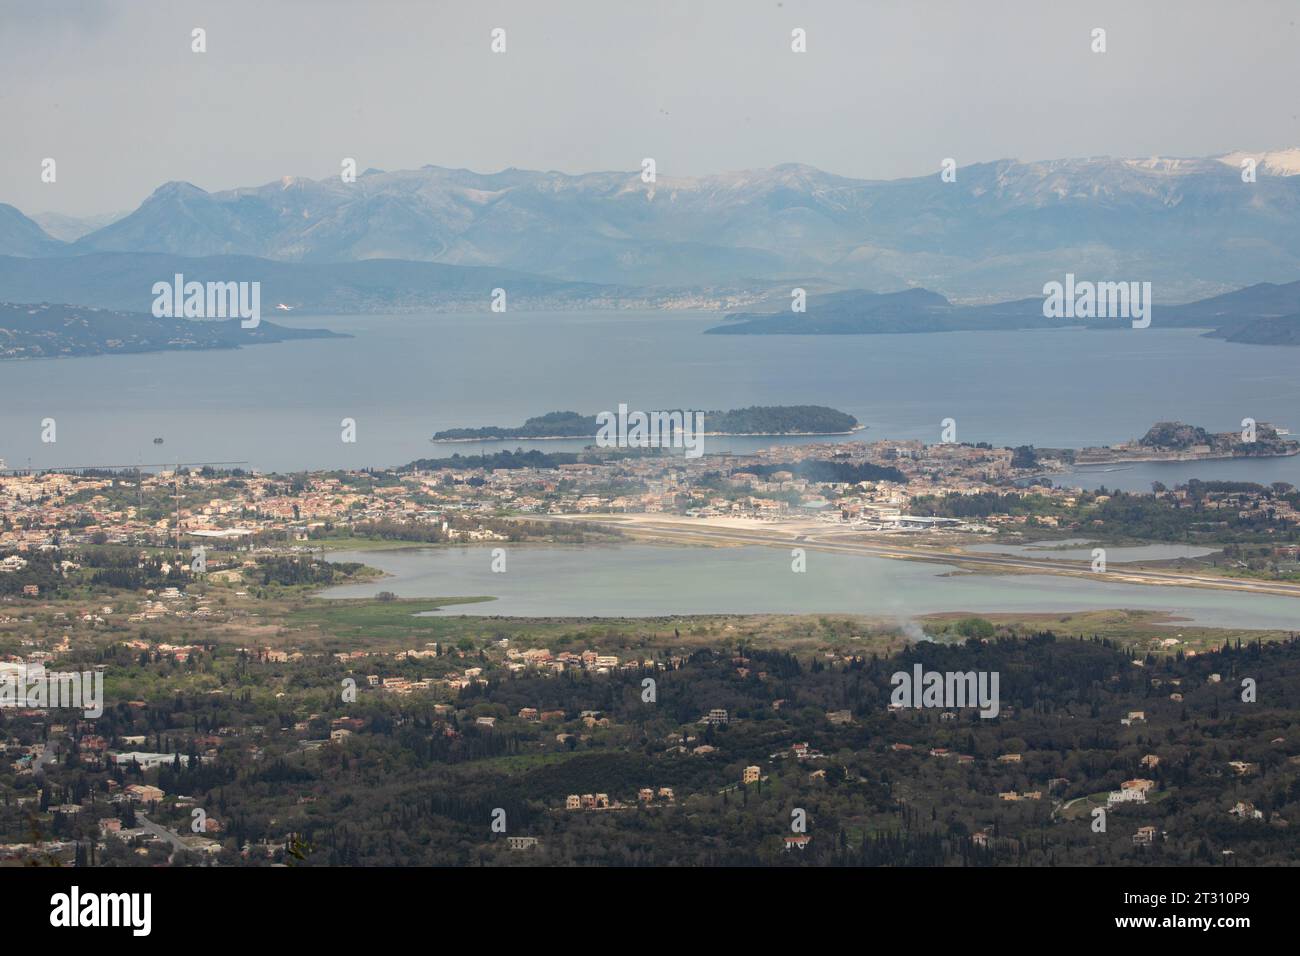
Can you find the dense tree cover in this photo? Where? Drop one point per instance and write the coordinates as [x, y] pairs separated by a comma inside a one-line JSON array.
[[1024, 456], [289, 571], [500, 459], [550, 425], [42, 570], [755, 420], [822, 470], [416, 785], [1175, 435], [779, 420]]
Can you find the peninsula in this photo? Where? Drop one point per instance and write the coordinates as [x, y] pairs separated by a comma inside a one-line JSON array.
[[1176, 441], [63, 331]]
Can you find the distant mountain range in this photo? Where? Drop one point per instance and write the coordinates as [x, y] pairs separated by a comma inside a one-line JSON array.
[[1262, 314], [1190, 226], [70, 228], [60, 331], [20, 236]]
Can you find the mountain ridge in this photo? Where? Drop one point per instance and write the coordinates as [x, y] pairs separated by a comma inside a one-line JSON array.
[[1188, 224]]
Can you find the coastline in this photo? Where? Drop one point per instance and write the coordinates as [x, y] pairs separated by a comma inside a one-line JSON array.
[[1180, 458], [457, 441]]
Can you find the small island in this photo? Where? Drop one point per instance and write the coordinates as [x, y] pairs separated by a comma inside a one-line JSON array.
[[773, 420]]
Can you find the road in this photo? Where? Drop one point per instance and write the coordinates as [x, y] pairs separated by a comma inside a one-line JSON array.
[[159, 831], [48, 756]]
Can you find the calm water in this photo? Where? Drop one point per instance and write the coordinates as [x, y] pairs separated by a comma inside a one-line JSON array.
[[648, 580], [404, 377], [1140, 476], [1053, 551]]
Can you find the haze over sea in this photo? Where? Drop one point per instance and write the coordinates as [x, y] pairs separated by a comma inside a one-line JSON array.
[[403, 377]]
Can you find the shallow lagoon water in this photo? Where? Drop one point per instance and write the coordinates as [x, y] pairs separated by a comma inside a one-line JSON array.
[[638, 580], [1051, 551]]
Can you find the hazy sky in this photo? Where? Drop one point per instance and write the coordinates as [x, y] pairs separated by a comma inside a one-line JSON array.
[[111, 90]]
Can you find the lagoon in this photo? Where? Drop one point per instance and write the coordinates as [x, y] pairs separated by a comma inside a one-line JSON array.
[[644, 580]]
